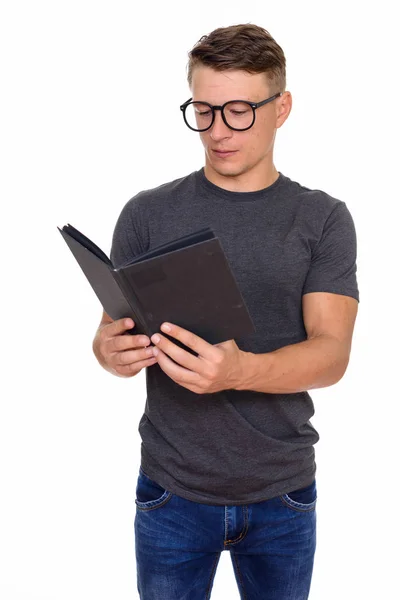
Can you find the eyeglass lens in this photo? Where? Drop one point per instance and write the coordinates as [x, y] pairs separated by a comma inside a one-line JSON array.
[[238, 115]]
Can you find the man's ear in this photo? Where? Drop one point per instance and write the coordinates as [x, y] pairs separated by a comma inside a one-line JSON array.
[[283, 108]]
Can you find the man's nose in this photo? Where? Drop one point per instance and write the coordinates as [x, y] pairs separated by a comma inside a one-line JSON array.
[[219, 130]]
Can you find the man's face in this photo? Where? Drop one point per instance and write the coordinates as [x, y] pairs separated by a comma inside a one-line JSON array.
[[250, 148]]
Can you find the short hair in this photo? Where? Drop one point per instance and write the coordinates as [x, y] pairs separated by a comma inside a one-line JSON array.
[[244, 47]]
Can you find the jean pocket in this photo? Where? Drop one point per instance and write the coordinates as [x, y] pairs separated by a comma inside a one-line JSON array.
[[149, 494], [303, 499]]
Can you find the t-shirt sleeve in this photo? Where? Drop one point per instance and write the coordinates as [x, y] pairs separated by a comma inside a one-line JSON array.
[[127, 239], [334, 258]]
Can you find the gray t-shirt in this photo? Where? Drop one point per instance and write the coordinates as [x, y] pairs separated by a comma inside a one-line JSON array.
[[238, 447]]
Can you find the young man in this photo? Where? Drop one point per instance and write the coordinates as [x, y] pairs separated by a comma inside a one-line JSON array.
[[227, 457]]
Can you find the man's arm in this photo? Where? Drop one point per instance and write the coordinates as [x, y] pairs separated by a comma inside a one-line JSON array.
[[319, 361]]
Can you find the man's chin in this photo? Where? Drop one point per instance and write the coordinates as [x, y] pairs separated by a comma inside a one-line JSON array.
[[227, 170]]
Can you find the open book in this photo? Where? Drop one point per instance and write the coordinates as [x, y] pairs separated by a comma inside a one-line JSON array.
[[187, 281]]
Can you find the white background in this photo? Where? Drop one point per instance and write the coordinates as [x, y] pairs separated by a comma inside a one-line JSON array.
[[90, 95]]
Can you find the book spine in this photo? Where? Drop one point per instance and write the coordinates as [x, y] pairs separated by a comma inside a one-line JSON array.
[[133, 301]]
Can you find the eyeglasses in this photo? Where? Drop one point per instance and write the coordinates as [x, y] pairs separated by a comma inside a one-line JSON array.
[[238, 115]]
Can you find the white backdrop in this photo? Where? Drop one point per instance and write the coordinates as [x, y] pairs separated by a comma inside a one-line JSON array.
[[90, 116]]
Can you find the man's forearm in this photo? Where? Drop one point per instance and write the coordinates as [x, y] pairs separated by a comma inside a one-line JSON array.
[[315, 363]]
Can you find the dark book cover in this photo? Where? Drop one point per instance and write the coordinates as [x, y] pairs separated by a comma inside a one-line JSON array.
[[187, 281]]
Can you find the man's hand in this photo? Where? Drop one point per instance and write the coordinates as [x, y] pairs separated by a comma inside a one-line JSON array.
[[121, 355], [217, 367]]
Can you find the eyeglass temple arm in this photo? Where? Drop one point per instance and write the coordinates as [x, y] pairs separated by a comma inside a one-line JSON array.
[[184, 104], [258, 104]]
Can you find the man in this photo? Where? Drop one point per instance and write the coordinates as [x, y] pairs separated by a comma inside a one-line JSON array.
[[227, 457]]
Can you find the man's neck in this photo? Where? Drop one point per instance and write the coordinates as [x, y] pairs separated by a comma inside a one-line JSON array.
[[248, 181]]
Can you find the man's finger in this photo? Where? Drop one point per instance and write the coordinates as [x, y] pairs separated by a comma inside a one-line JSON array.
[[119, 343], [179, 355], [121, 325], [134, 368], [118, 327], [131, 356], [190, 339], [176, 372]]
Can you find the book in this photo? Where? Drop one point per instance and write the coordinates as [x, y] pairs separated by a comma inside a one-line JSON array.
[[187, 281]]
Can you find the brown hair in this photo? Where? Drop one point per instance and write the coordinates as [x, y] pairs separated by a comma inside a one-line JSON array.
[[247, 47]]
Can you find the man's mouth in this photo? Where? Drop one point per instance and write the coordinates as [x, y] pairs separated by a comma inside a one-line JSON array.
[[223, 153]]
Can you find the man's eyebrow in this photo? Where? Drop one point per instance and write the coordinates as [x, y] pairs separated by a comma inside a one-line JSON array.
[[233, 99]]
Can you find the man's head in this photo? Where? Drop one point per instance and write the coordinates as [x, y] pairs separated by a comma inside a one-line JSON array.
[[241, 62]]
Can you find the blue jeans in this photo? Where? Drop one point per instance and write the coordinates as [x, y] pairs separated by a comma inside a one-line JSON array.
[[178, 544]]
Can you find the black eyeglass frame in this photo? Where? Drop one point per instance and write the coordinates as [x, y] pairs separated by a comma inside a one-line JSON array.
[[221, 107]]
